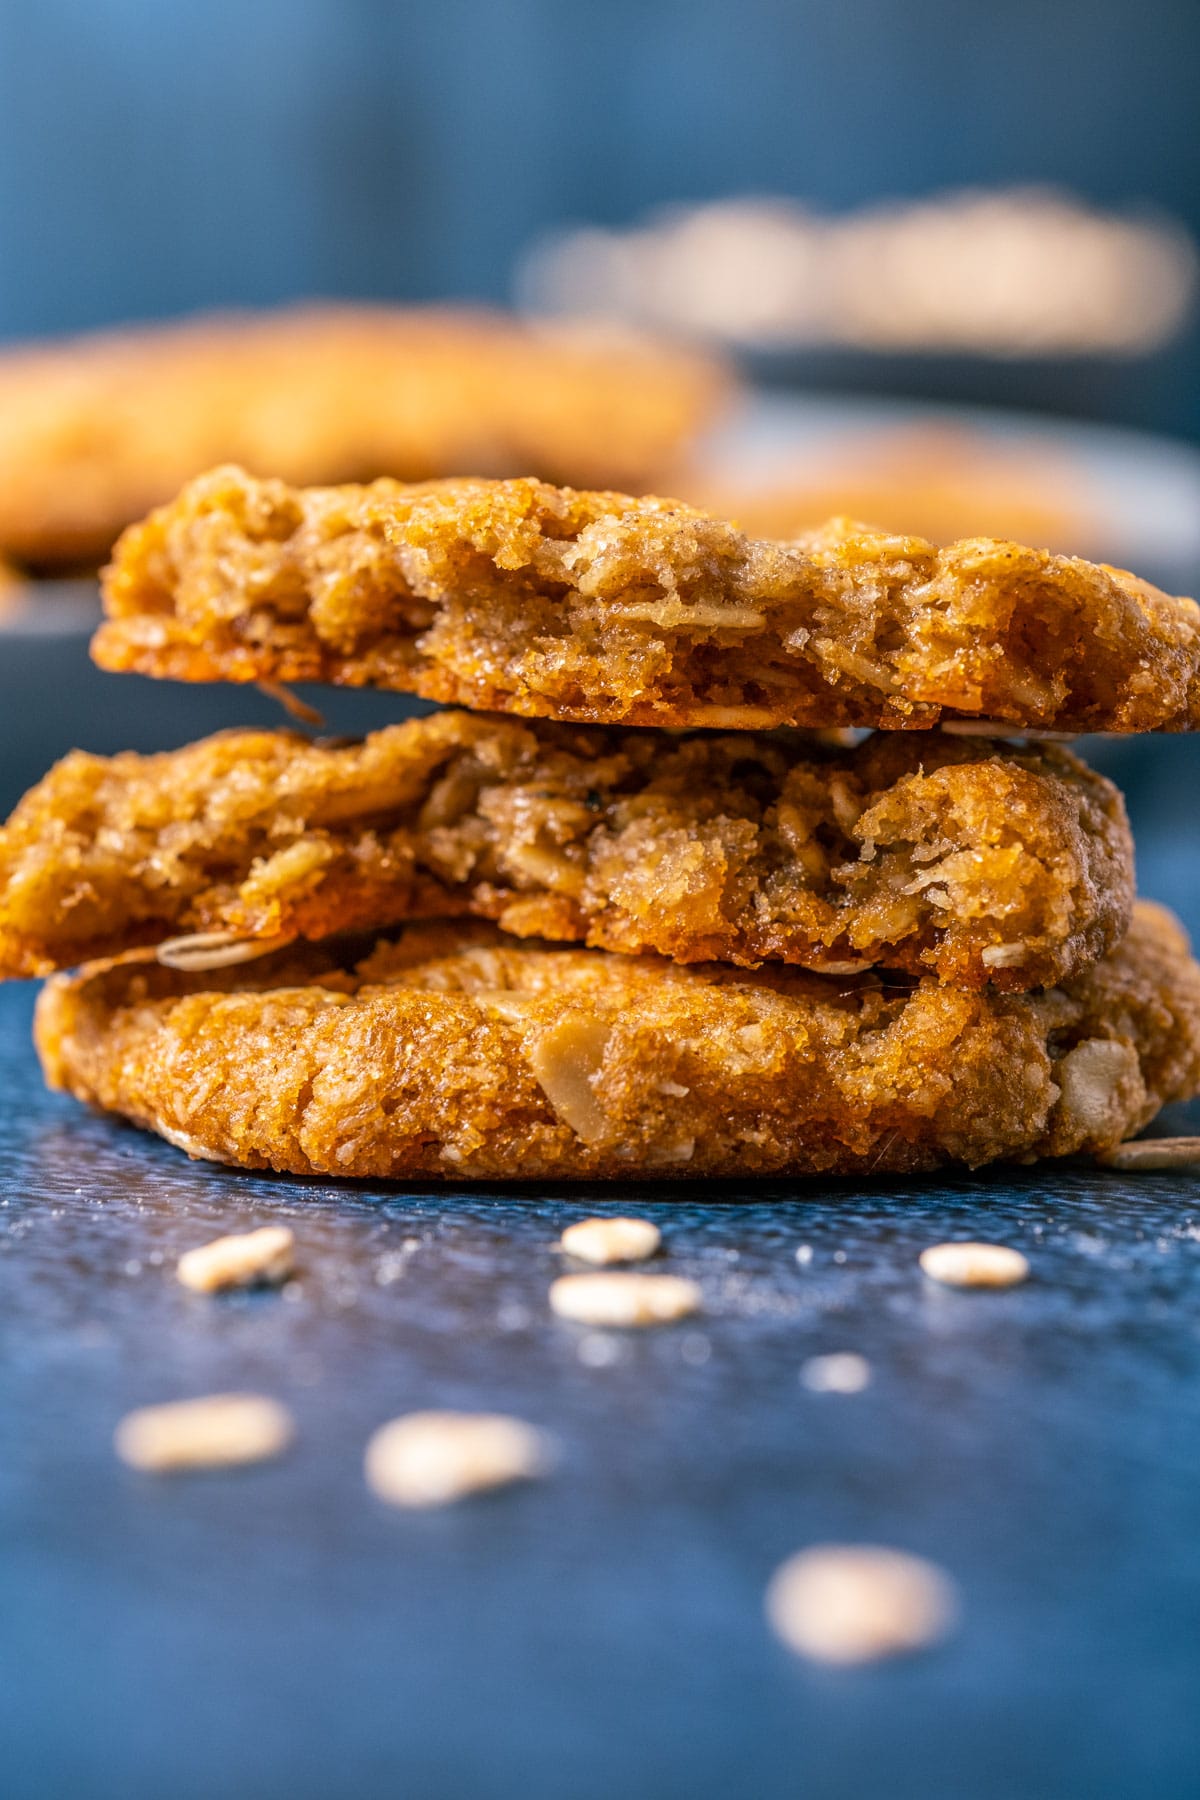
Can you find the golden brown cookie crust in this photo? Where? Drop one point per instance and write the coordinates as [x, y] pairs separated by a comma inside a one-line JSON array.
[[458, 1053], [514, 596], [94, 431], [925, 853]]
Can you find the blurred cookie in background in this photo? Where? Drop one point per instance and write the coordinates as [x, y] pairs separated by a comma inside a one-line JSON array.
[[937, 480], [10, 590], [1008, 272], [96, 430]]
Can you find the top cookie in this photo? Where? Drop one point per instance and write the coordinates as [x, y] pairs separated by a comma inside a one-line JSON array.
[[512, 596], [95, 431]]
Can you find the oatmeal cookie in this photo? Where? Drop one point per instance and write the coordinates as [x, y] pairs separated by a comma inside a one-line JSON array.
[[926, 853], [517, 597], [96, 430], [456, 1052]]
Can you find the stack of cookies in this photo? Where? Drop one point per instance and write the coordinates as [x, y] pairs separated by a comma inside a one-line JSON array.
[[729, 867]]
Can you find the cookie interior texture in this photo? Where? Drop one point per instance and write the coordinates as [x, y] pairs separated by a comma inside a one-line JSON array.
[[925, 853], [457, 1052], [96, 430], [514, 596]]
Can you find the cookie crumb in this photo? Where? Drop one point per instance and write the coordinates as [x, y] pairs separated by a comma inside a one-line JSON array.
[[975, 1265], [292, 704], [624, 1298], [262, 1258], [857, 1603], [842, 1372], [219, 1431], [1153, 1153], [433, 1458], [611, 1240]]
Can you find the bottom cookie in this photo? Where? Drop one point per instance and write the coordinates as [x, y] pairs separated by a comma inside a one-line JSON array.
[[454, 1051]]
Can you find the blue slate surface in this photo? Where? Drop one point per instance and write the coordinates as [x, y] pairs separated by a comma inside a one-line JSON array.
[[279, 1633]]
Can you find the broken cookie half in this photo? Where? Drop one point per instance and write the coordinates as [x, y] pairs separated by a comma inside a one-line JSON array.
[[932, 854], [550, 602]]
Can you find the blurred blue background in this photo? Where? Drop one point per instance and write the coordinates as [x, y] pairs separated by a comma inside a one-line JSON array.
[[159, 158]]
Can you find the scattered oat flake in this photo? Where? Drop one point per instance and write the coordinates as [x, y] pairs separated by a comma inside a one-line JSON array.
[[244, 1259], [624, 1298], [433, 1458], [217, 1432], [1153, 1153], [856, 1603], [975, 1265], [842, 1372], [611, 1240]]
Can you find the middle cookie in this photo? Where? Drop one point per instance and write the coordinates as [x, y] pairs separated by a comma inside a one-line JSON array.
[[1006, 866]]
